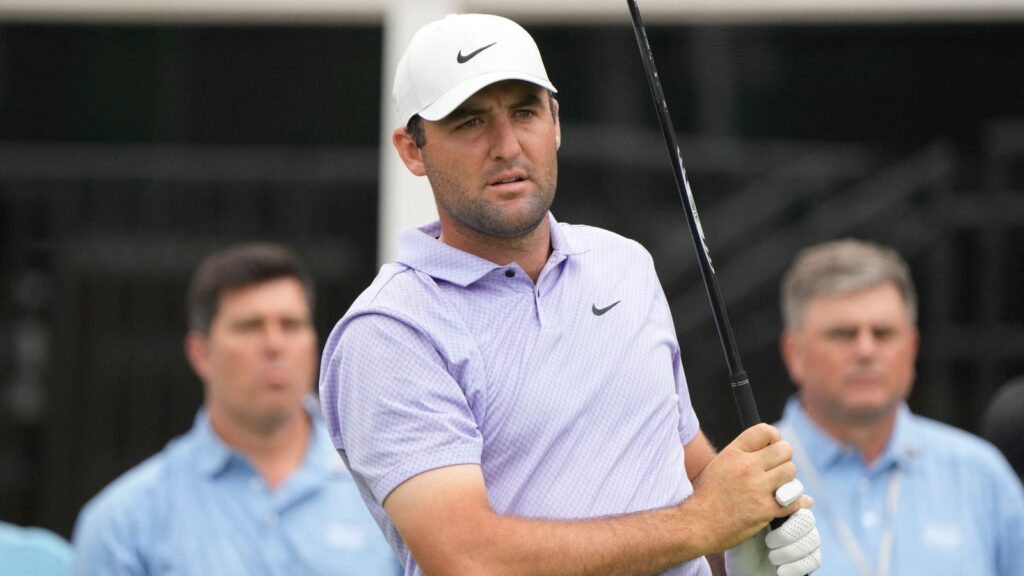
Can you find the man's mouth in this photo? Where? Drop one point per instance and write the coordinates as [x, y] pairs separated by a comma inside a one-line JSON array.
[[275, 375], [863, 378], [506, 178]]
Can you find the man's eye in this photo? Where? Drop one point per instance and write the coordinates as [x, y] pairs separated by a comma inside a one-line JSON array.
[[525, 113], [840, 334], [472, 122], [247, 326], [293, 325], [884, 333]]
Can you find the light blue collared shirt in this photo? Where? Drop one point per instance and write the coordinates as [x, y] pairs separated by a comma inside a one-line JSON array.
[[960, 509], [198, 507], [568, 392], [33, 552]]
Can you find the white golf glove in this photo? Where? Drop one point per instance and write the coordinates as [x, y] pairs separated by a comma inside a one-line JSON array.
[[793, 549]]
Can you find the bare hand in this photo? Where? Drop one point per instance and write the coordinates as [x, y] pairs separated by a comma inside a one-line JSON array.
[[734, 495]]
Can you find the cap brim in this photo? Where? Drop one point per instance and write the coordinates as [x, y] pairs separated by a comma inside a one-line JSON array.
[[451, 99]]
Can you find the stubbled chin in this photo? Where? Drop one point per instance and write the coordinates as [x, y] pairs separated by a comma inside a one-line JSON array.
[[865, 390], [509, 192], [868, 404], [274, 387]]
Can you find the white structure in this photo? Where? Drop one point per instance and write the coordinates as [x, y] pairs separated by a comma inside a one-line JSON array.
[[371, 11]]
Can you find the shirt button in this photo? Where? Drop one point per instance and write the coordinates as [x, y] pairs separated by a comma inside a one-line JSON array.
[[869, 520], [271, 517], [255, 484], [510, 273]]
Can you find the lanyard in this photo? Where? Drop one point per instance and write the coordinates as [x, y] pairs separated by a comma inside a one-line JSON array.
[[846, 540]]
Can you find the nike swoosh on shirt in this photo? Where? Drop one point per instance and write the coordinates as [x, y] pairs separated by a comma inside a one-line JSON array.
[[463, 59], [599, 311]]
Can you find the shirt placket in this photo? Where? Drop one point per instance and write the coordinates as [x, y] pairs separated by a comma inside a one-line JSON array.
[[267, 513]]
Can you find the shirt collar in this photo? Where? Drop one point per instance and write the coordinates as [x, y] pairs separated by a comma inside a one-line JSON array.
[[824, 451], [419, 249], [213, 455]]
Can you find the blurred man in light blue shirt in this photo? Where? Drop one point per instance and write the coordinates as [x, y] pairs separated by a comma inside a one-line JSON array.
[[1003, 422], [33, 552], [255, 486], [895, 493]]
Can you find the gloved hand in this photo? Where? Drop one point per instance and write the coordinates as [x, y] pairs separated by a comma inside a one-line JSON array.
[[794, 548]]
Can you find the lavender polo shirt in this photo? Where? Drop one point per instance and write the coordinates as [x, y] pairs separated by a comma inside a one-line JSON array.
[[569, 393]]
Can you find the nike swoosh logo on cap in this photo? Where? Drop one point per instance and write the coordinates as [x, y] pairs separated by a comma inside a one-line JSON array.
[[463, 59], [599, 311]]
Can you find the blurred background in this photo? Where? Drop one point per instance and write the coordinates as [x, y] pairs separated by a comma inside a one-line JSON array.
[[135, 139]]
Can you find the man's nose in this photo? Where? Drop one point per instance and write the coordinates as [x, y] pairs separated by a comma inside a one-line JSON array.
[[504, 140], [866, 343], [274, 338]]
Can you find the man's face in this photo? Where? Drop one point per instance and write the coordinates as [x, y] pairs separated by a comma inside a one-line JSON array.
[[852, 356], [492, 162], [257, 362]]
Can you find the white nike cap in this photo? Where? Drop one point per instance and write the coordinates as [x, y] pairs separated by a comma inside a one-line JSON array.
[[450, 59]]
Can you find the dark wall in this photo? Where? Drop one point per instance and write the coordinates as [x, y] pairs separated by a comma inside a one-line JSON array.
[[196, 85]]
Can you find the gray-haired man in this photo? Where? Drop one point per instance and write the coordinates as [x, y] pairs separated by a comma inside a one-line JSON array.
[[896, 493]]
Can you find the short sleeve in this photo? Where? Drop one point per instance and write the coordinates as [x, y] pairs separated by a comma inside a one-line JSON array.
[[31, 551], [689, 425], [105, 541], [1009, 509], [394, 409]]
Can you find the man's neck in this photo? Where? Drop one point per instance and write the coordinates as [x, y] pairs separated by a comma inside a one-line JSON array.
[[530, 251], [275, 451], [868, 438]]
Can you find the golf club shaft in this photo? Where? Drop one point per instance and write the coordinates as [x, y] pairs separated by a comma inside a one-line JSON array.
[[741, 391]]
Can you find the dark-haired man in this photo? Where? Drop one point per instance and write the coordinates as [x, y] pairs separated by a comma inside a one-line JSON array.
[[510, 392], [255, 486]]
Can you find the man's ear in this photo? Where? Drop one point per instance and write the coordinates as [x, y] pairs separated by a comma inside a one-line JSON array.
[[558, 125], [408, 151], [789, 347], [197, 351]]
